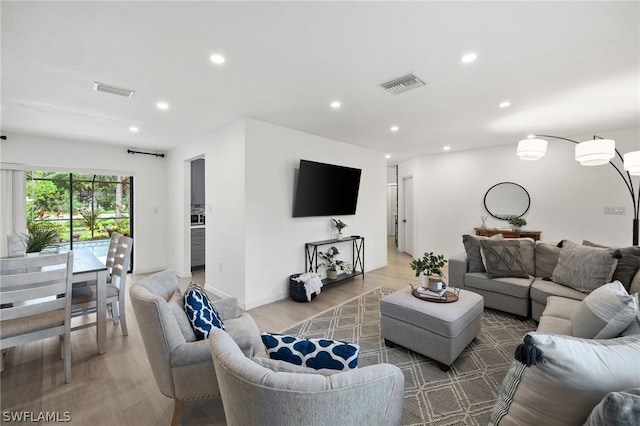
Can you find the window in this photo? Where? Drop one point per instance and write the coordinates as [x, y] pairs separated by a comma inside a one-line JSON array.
[[85, 209]]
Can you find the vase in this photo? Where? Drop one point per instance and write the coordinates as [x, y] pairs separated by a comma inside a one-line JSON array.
[[332, 274], [424, 281], [32, 254], [339, 236]]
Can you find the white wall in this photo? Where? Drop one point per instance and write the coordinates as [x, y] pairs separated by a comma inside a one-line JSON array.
[[250, 232], [567, 199], [275, 240], [150, 180]]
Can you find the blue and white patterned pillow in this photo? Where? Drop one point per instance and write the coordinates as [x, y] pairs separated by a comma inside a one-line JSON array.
[[313, 353], [201, 313]]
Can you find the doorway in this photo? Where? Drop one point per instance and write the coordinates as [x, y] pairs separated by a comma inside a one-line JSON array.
[[407, 220]]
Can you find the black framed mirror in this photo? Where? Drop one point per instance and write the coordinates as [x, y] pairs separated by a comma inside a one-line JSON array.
[[506, 200]]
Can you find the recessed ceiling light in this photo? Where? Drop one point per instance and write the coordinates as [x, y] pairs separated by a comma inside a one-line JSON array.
[[335, 104], [531, 136], [387, 156], [469, 57], [504, 104], [162, 105], [133, 129], [446, 148], [394, 128], [217, 59]]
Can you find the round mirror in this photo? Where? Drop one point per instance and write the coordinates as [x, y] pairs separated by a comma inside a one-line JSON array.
[[506, 200]]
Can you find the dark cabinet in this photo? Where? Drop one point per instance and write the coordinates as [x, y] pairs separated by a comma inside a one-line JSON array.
[[197, 248], [197, 181]]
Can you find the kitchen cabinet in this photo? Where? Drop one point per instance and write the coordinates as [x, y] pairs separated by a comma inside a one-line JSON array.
[[197, 248], [197, 182]]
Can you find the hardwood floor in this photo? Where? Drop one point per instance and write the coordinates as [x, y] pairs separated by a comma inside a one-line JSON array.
[[118, 387]]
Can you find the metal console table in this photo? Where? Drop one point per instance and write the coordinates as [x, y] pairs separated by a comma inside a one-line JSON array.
[[357, 255]]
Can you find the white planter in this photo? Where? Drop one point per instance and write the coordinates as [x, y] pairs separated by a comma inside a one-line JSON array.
[[424, 281], [339, 236]]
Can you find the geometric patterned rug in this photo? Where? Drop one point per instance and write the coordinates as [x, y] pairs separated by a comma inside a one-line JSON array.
[[464, 395]]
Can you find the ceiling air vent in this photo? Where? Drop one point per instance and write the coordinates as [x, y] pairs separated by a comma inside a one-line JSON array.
[[101, 87], [403, 84]]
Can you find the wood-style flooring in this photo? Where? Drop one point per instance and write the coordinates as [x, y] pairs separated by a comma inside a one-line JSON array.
[[118, 388]]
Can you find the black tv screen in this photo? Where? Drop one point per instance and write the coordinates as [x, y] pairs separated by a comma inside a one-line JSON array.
[[325, 190]]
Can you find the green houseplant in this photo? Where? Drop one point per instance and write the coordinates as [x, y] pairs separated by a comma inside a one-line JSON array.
[[340, 225], [429, 268], [332, 264], [39, 238], [517, 222]]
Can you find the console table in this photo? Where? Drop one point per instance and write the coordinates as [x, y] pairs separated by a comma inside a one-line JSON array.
[[357, 256], [508, 233]]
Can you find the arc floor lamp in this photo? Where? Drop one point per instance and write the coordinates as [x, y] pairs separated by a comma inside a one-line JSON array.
[[593, 153]]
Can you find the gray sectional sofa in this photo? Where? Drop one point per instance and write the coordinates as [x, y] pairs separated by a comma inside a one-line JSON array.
[[524, 273]]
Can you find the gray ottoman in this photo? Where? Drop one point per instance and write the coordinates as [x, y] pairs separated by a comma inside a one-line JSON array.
[[439, 331]]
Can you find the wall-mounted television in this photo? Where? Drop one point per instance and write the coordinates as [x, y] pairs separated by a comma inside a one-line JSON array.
[[325, 190]]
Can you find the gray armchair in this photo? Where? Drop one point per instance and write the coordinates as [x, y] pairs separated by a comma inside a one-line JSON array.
[[182, 366], [253, 394]]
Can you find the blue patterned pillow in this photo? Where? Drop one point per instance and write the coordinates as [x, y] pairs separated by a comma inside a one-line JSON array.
[[313, 353], [201, 313]]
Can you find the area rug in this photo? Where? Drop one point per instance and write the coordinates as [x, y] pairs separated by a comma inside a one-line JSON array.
[[464, 395]]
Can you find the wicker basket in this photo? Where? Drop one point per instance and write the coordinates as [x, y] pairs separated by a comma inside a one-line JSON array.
[[297, 290]]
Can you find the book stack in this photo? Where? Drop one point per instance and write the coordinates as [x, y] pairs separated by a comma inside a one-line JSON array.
[[433, 294]]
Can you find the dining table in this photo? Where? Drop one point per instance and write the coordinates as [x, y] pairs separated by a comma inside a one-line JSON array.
[[87, 267]]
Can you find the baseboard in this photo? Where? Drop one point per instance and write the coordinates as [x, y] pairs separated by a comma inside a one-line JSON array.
[[223, 295]]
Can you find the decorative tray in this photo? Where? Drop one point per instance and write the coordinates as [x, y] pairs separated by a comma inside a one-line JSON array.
[[451, 296]]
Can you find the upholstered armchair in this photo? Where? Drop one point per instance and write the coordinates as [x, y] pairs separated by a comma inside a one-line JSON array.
[[182, 366], [262, 391]]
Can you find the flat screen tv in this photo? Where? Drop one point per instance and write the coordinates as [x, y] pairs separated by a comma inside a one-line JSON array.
[[325, 190]]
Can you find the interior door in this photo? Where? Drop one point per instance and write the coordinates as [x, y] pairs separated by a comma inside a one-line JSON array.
[[407, 220]]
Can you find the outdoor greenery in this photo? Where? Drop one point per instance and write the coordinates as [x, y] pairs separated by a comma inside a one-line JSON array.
[[430, 264], [96, 205]]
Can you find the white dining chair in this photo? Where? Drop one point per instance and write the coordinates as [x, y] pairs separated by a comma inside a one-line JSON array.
[[36, 301], [84, 297]]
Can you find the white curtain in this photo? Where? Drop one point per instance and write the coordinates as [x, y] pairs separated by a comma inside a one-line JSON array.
[[13, 210]]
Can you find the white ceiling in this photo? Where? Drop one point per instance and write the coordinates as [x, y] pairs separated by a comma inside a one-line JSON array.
[[569, 68]]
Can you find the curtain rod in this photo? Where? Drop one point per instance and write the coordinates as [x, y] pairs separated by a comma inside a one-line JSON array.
[[129, 151]]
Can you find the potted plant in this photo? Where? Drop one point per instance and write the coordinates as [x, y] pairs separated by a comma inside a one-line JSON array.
[[340, 225], [517, 222], [429, 269], [39, 238], [332, 264]]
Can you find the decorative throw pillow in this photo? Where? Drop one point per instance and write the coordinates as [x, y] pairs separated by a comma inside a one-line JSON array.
[[617, 408], [584, 268], [503, 259], [581, 371], [628, 263], [472, 248], [634, 326], [201, 313], [547, 255], [604, 313], [313, 353], [279, 366]]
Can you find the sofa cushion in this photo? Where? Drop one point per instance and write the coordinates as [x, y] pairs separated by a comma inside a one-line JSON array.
[[313, 353], [516, 287], [617, 408], [584, 268], [546, 258], [503, 259], [604, 313], [581, 371], [557, 314], [472, 248], [628, 263], [201, 313], [541, 289]]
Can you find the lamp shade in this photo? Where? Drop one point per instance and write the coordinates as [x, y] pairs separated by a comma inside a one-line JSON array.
[[632, 163], [531, 149], [595, 152]]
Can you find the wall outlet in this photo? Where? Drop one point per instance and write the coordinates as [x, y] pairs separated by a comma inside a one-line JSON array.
[[614, 210]]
